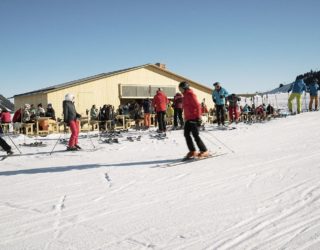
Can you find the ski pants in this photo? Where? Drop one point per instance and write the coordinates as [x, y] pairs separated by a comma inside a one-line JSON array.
[[315, 98], [147, 120], [220, 114], [74, 127], [177, 114], [299, 103], [161, 120], [6, 147], [233, 114], [191, 127]]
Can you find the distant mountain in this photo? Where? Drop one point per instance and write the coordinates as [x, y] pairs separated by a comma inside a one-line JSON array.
[[281, 89], [5, 103]]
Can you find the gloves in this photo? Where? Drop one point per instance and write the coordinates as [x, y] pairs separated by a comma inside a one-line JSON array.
[[221, 96], [214, 100]]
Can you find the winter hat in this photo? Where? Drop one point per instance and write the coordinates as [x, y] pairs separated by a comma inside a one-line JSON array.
[[69, 97], [27, 106], [184, 85]]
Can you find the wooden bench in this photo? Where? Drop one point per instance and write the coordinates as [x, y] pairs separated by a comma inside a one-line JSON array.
[[5, 127]]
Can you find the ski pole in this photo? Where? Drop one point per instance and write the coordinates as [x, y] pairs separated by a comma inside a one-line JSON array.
[[13, 143], [55, 144], [222, 143], [90, 140]]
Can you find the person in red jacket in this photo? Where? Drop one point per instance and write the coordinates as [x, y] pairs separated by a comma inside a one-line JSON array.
[[5, 116], [192, 116], [159, 103], [177, 103]]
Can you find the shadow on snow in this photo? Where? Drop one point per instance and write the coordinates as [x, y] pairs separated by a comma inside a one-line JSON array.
[[80, 167]]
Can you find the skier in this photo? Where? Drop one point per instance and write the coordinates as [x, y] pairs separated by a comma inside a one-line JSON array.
[[313, 89], [70, 116], [159, 102], [192, 115], [297, 89], [147, 110], [177, 113], [219, 95], [233, 100]]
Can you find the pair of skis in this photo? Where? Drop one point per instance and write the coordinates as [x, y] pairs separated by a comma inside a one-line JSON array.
[[183, 161], [3, 157]]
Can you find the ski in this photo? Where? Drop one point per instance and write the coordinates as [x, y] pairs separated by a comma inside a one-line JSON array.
[[3, 157], [186, 161]]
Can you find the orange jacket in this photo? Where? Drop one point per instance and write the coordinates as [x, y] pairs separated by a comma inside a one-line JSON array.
[[191, 106]]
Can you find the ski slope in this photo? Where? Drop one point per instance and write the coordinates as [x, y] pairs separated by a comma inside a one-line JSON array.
[[266, 195]]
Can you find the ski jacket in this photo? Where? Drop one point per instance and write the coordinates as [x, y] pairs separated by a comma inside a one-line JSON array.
[[313, 89], [177, 101], [51, 113], [17, 116], [191, 106], [94, 113], [219, 95], [69, 112], [233, 100], [297, 87], [146, 106], [5, 117], [160, 101]]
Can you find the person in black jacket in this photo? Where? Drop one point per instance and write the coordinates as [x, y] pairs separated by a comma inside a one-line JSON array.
[[70, 116], [50, 112]]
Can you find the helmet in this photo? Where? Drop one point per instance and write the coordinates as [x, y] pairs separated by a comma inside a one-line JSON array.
[[27, 106], [216, 84], [69, 97], [184, 85]]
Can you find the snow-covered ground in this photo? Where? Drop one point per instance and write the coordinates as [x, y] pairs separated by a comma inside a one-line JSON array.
[[265, 195]]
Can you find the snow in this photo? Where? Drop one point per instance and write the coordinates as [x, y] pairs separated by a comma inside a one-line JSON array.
[[266, 195]]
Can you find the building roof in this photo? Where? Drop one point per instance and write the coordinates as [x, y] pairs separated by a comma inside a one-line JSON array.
[[104, 75], [5, 103]]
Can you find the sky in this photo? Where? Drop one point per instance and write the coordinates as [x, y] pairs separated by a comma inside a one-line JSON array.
[[246, 45]]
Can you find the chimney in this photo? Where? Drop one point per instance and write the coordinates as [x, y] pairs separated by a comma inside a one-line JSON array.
[[161, 65]]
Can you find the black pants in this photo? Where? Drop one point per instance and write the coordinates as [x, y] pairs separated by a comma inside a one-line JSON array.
[[177, 114], [4, 145], [161, 120], [220, 114], [191, 127]]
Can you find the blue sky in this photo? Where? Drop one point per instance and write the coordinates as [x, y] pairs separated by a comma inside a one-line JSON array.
[[246, 45]]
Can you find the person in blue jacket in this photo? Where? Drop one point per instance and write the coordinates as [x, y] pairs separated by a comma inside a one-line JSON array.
[[313, 90], [219, 95], [297, 88]]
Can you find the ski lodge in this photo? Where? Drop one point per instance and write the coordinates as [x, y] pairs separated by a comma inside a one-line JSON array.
[[113, 88]]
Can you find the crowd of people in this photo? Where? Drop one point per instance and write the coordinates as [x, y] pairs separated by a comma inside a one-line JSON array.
[[183, 111]]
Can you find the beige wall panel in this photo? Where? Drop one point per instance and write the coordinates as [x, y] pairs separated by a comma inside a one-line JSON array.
[[20, 101], [106, 91]]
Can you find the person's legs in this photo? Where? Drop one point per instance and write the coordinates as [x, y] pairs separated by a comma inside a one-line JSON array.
[[180, 117], [175, 117], [187, 135], [316, 103], [6, 147], [299, 103], [223, 114], [195, 134], [311, 102], [218, 110], [74, 129], [290, 100]]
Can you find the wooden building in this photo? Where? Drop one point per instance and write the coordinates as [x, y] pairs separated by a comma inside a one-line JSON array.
[[114, 88]]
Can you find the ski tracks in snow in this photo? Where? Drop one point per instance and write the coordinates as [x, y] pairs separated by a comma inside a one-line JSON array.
[[278, 226]]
